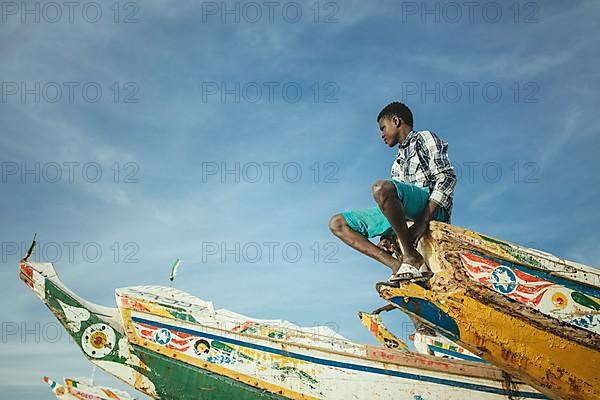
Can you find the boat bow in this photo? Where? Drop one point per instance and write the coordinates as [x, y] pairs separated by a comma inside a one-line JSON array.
[[529, 313]]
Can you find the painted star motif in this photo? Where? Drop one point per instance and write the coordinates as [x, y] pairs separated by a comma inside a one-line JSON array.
[[163, 336], [503, 280]]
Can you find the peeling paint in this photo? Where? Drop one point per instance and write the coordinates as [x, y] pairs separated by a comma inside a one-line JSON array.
[[75, 316]]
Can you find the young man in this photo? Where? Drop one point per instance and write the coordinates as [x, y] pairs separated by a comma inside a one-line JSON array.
[[421, 190]]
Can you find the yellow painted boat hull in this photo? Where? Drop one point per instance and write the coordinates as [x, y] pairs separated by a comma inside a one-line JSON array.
[[529, 313]]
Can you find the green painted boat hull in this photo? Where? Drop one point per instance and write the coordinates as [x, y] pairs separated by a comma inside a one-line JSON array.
[[186, 382]]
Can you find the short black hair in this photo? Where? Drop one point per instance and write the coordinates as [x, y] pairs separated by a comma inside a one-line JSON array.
[[399, 110]]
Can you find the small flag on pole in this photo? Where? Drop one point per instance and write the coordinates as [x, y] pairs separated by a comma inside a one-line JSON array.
[[174, 269]]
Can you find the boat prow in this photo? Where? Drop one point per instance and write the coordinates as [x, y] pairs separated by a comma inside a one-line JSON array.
[[97, 330], [530, 313]]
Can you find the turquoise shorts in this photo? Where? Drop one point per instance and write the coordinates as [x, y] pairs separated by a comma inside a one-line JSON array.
[[371, 222]]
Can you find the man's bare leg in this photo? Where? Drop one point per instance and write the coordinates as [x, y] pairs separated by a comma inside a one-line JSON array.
[[384, 193], [340, 228]]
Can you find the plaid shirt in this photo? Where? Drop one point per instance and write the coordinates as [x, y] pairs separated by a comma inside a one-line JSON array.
[[423, 161]]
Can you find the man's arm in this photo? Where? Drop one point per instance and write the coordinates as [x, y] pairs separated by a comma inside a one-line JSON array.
[[435, 153]]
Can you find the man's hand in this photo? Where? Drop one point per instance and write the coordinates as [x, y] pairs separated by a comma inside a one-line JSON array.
[[385, 244], [390, 246]]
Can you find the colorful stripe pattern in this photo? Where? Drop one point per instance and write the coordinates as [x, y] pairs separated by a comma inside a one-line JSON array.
[[542, 293], [516, 284], [221, 351]]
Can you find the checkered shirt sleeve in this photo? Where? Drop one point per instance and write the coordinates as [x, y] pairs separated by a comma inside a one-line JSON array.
[[434, 153]]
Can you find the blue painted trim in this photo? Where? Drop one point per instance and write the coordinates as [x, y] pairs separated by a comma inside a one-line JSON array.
[[456, 354], [431, 313], [337, 364], [590, 291]]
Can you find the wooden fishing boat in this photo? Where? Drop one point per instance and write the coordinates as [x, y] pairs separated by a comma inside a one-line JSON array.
[[83, 389], [532, 314], [172, 345]]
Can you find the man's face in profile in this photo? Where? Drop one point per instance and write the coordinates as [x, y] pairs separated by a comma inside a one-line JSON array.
[[389, 127]]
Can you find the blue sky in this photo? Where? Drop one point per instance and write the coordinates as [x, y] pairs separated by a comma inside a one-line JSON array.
[[513, 94]]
